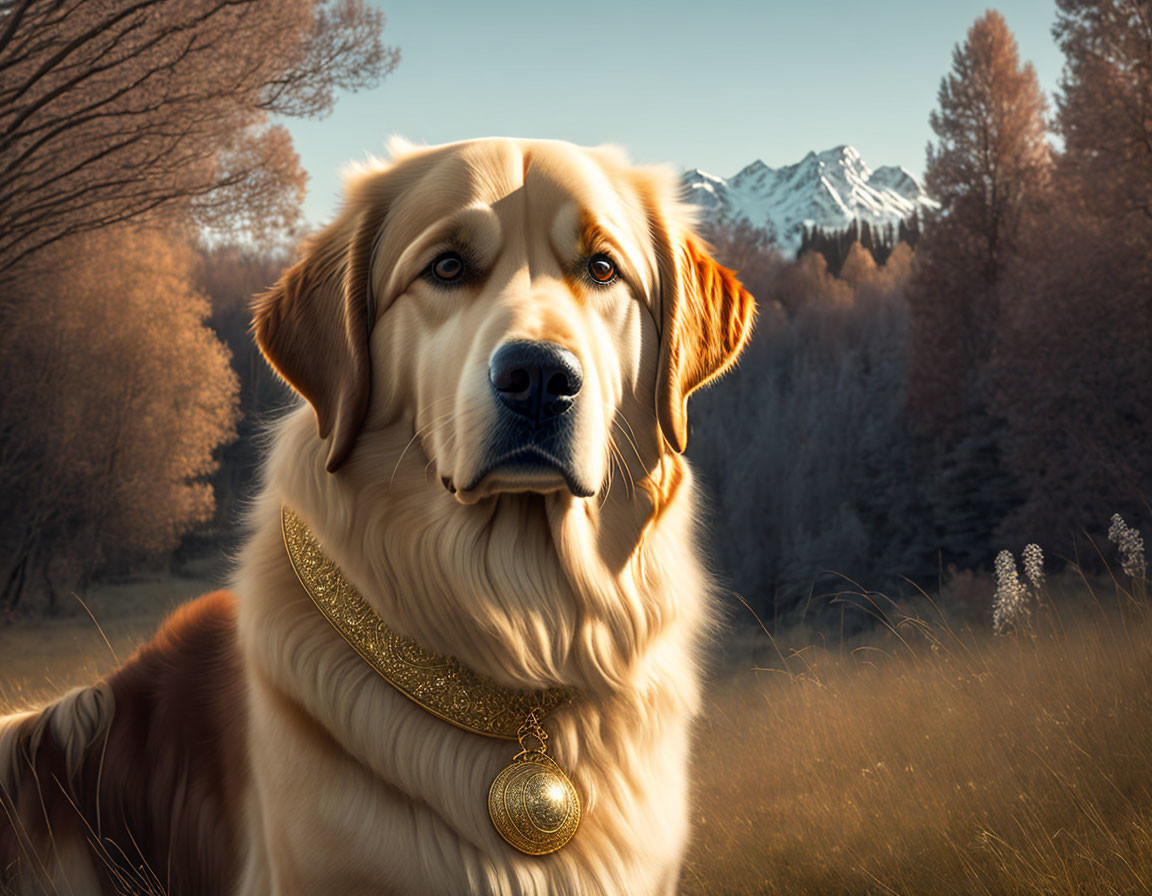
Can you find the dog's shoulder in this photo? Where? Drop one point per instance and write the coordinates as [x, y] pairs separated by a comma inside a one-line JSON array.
[[176, 751], [148, 767], [186, 678]]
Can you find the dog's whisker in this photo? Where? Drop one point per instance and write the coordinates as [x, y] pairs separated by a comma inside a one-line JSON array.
[[614, 453], [608, 484], [415, 435], [619, 420], [620, 454], [630, 434], [617, 457]]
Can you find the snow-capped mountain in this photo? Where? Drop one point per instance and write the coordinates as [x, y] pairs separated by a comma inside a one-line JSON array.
[[830, 189]]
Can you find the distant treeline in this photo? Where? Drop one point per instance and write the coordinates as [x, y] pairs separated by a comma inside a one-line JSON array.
[[906, 412], [835, 243]]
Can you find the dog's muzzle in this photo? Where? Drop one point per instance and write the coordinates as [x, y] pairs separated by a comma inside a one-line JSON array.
[[535, 385]]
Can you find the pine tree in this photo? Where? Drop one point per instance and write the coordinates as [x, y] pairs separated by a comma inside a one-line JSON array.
[[992, 153], [990, 161], [1105, 107], [1072, 370]]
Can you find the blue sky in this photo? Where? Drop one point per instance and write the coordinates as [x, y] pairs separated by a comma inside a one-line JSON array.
[[712, 85]]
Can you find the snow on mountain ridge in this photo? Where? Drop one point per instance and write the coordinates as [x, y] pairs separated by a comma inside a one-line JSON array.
[[830, 189]]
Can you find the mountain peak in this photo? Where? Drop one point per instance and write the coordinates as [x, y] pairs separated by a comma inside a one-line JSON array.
[[830, 189]]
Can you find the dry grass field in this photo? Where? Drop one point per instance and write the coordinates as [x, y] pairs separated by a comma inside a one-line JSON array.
[[40, 658], [938, 763], [920, 761]]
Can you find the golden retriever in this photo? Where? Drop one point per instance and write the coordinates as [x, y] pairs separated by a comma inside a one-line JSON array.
[[496, 341]]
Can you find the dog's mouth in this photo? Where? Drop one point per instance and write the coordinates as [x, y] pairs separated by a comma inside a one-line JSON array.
[[528, 468]]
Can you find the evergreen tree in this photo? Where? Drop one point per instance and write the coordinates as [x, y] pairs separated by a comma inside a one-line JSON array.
[[970, 494], [1105, 107], [1073, 364], [990, 162], [992, 155]]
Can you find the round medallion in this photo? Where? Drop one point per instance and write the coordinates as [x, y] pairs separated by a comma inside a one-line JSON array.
[[533, 805]]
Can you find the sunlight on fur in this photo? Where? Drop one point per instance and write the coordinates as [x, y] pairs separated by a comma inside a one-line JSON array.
[[496, 341]]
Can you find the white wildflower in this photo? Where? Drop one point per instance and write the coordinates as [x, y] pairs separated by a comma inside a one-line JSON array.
[[1131, 546], [1034, 565], [1010, 604]]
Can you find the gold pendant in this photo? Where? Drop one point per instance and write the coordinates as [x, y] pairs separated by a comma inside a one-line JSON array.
[[533, 805]]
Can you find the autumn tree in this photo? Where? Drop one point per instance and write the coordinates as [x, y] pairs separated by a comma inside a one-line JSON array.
[[992, 154], [127, 129], [1072, 376], [115, 109], [117, 394], [806, 282], [878, 240], [989, 164]]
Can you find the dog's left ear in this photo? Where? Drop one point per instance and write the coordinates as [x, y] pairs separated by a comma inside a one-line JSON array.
[[313, 327], [706, 319]]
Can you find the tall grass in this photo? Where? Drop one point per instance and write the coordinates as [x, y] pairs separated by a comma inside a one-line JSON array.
[[42, 658], [940, 764], [927, 762]]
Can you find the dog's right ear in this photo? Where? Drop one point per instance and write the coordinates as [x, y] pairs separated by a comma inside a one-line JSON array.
[[313, 327]]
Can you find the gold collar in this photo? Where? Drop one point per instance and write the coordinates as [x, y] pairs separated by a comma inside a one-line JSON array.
[[442, 685], [532, 803]]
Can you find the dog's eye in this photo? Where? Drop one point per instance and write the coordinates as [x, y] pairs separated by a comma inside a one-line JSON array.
[[447, 268], [601, 268]]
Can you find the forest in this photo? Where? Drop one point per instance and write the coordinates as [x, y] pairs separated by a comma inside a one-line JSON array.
[[134, 136], [912, 405], [914, 401]]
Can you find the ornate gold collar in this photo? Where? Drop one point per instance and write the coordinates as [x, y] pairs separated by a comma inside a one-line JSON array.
[[533, 805]]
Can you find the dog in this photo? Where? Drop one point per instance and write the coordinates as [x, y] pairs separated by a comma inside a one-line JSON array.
[[480, 506]]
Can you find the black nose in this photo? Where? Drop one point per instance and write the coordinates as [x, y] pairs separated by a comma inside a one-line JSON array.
[[537, 380]]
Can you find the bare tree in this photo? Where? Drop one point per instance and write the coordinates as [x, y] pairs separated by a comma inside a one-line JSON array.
[[113, 109]]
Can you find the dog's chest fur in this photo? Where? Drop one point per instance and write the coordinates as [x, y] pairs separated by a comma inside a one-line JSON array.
[[355, 787]]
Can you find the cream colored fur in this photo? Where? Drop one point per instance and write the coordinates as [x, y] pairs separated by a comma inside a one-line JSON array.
[[353, 788], [357, 790]]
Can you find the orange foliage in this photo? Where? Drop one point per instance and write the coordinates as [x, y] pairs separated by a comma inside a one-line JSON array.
[[117, 395]]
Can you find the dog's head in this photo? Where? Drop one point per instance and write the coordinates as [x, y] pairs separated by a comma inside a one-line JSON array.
[[526, 307]]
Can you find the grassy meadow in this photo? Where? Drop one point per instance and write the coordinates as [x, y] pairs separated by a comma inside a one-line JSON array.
[[43, 657], [918, 759], [935, 761]]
